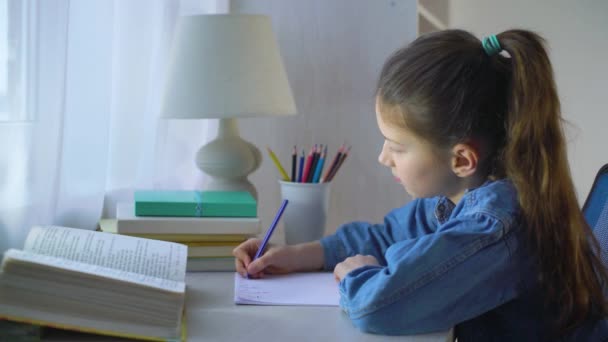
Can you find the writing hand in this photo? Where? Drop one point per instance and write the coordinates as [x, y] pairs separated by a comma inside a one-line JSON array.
[[244, 254], [275, 260], [352, 263], [278, 259]]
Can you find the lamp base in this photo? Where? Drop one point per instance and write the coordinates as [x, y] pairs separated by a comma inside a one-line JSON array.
[[229, 159]]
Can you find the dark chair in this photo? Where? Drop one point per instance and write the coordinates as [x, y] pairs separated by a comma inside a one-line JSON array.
[[595, 210]]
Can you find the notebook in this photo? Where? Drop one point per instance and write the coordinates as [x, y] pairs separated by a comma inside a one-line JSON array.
[[296, 289]]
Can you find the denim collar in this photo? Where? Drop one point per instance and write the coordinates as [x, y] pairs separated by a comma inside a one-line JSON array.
[[443, 209], [445, 206]]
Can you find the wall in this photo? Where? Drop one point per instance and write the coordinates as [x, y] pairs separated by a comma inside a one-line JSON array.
[[577, 34], [333, 51]]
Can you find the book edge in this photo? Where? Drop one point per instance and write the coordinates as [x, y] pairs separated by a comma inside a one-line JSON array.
[[77, 328]]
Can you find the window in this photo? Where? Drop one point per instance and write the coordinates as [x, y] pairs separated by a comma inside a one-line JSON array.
[[16, 69]]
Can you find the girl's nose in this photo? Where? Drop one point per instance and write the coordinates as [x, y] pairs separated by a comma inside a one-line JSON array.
[[384, 157]]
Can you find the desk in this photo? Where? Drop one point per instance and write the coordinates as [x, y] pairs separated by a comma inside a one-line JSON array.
[[213, 316]]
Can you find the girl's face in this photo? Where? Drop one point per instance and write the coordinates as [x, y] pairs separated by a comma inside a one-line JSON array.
[[413, 163]]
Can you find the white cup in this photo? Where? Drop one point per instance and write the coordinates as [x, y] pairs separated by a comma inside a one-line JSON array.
[[305, 216]]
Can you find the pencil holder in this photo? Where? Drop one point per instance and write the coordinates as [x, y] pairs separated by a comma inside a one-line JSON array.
[[305, 218]]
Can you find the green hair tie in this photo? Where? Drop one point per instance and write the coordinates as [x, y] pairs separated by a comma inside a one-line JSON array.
[[491, 45]]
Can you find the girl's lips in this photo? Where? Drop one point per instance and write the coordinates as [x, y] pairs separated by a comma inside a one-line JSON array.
[[397, 180]]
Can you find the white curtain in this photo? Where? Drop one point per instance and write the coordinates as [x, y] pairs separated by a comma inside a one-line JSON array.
[[80, 129]]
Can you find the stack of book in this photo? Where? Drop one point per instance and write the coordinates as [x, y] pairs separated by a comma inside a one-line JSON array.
[[210, 223]]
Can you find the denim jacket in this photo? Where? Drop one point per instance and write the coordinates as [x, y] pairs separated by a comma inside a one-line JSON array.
[[444, 265]]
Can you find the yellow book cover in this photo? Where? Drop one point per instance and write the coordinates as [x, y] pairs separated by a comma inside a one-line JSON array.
[[210, 251], [211, 264], [109, 226], [212, 243]]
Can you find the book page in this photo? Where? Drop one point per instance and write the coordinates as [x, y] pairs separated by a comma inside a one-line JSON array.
[[160, 259], [14, 256], [311, 288]]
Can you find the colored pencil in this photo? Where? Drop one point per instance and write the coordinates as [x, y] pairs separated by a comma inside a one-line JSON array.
[[319, 168], [307, 166], [333, 164], [294, 161], [340, 162], [301, 168], [277, 163], [313, 166]]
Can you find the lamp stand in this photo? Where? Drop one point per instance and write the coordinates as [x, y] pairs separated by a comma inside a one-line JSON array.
[[229, 159]]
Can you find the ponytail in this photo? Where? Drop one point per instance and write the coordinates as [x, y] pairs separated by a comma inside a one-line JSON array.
[[535, 160]]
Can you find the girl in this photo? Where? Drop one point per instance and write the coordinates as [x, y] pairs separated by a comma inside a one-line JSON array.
[[494, 243]]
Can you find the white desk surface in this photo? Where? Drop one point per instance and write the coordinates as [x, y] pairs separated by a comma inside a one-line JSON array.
[[213, 316]]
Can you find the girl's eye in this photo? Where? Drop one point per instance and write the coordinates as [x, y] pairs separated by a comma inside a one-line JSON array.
[[393, 148], [396, 149]]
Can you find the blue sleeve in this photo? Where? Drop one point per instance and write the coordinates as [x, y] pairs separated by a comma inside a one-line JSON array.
[[410, 221], [434, 281]]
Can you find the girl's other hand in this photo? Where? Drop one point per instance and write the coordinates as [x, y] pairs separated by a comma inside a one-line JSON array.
[[352, 263]]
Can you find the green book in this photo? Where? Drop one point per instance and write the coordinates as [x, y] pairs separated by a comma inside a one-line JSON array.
[[195, 203]]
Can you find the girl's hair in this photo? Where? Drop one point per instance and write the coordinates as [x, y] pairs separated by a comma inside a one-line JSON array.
[[448, 90]]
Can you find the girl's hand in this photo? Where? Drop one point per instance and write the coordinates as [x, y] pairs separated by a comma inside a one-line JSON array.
[[352, 263], [277, 259], [274, 260]]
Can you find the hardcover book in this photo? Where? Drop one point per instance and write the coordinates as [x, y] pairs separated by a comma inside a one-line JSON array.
[[195, 203], [96, 282], [211, 249], [215, 264], [128, 223], [109, 226]]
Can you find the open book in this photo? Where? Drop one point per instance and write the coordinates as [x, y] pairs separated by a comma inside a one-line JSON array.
[[96, 282]]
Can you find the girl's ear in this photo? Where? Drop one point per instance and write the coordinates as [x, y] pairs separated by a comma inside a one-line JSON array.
[[465, 158]]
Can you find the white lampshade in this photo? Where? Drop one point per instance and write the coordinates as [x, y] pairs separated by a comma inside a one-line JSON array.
[[226, 65]]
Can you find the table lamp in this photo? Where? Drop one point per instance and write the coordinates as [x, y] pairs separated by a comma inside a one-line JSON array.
[[226, 66]]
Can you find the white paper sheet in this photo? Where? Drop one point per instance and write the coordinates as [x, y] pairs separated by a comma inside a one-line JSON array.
[[316, 289]]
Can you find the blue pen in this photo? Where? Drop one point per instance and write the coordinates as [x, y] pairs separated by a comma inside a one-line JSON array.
[[273, 225]]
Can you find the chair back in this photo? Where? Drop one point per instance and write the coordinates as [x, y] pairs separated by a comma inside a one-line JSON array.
[[595, 210]]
